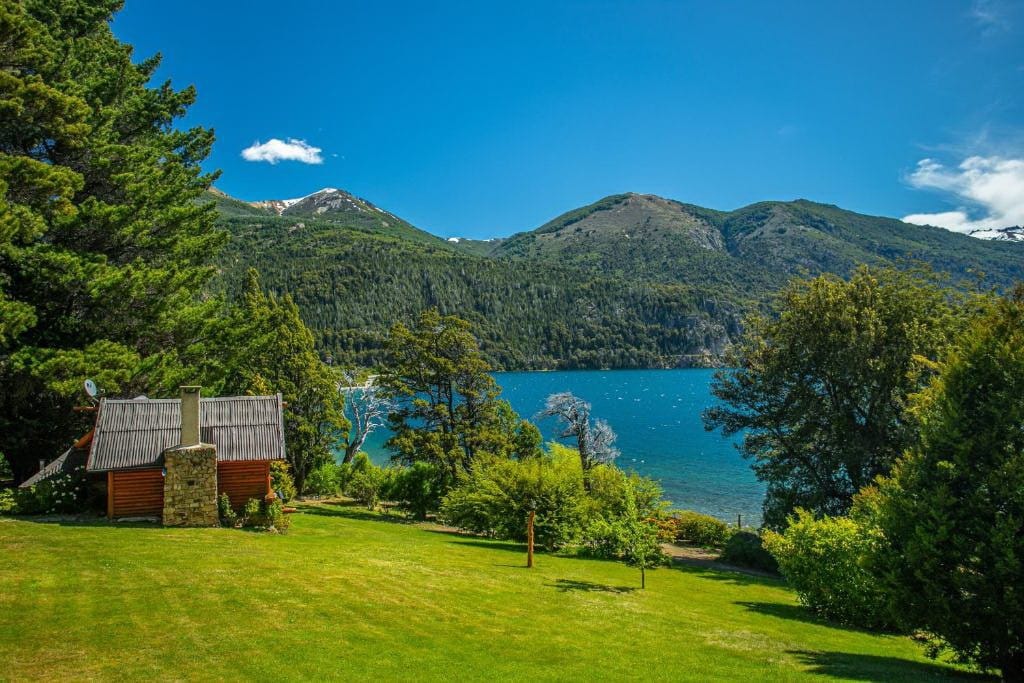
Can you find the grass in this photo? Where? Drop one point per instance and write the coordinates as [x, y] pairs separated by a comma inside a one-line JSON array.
[[349, 595]]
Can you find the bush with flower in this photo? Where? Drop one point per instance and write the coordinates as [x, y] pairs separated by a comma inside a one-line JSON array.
[[64, 493]]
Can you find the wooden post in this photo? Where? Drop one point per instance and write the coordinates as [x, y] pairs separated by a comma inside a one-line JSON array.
[[110, 495], [739, 522], [529, 539]]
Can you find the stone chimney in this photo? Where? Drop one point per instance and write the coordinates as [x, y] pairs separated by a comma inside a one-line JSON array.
[[190, 419], [190, 471]]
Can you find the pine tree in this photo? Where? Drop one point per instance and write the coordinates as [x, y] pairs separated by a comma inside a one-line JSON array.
[[103, 248], [953, 511], [272, 351]]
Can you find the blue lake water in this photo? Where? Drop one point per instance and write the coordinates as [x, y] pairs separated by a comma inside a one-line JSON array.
[[656, 414]]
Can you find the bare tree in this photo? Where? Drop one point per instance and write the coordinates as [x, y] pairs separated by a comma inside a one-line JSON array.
[[593, 441], [602, 440], [367, 408]]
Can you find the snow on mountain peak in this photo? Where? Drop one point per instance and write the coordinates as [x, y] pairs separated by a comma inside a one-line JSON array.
[[278, 206], [325, 190], [1011, 234]]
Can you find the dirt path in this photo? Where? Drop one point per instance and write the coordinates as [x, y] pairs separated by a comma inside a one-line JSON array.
[[707, 559]]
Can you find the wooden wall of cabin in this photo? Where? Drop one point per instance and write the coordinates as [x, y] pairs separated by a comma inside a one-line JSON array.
[[140, 493], [135, 493], [243, 480]]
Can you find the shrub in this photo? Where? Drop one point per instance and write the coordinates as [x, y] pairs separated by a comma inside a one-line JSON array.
[[417, 489], [602, 538], [824, 560], [281, 480], [667, 528], [346, 471], [745, 549], [497, 495], [608, 491], [368, 484], [273, 515], [63, 493], [703, 530], [225, 512], [266, 514], [8, 506], [251, 512], [323, 481], [620, 538]]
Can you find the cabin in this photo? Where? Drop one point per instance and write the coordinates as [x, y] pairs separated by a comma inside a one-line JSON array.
[[172, 458]]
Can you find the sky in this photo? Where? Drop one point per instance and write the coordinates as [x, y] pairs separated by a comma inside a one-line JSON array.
[[481, 119]]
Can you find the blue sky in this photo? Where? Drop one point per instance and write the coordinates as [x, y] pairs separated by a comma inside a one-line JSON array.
[[482, 118]]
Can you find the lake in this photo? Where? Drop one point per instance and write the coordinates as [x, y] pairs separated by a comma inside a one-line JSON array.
[[656, 414]]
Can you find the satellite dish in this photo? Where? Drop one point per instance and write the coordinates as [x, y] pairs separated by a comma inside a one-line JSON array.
[[90, 388]]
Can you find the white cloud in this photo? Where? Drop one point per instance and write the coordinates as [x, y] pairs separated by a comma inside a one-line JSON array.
[[991, 190], [274, 150]]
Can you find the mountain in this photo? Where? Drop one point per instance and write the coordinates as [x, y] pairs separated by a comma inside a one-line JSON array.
[[629, 281], [229, 207], [329, 200], [478, 247], [761, 245], [1012, 234], [339, 207]]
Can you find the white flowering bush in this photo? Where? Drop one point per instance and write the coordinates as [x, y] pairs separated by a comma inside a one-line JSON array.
[[60, 494], [8, 506]]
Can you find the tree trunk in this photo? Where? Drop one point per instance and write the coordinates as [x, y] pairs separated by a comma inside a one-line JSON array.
[[352, 449], [581, 446], [584, 463], [529, 539]]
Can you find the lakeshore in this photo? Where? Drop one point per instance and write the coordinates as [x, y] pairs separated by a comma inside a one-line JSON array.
[[657, 417]]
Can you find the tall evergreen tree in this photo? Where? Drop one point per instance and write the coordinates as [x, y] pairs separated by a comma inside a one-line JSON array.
[[272, 351], [103, 249], [953, 511]]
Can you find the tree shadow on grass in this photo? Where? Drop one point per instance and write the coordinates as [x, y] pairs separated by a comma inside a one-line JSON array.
[[348, 510], [800, 613], [490, 545], [459, 533], [87, 521], [727, 575], [858, 667], [566, 585]]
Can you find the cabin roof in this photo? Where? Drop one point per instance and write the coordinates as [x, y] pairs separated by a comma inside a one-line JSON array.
[[134, 433], [68, 461]]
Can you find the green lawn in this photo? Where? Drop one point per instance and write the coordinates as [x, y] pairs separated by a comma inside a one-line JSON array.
[[346, 594]]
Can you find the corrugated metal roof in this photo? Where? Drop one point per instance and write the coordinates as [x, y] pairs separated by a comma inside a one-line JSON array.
[[135, 433], [68, 461]]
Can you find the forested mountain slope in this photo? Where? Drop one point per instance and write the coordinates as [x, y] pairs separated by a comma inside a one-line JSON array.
[[329, 205], [647, 237], [352, 285], [630, 281]]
